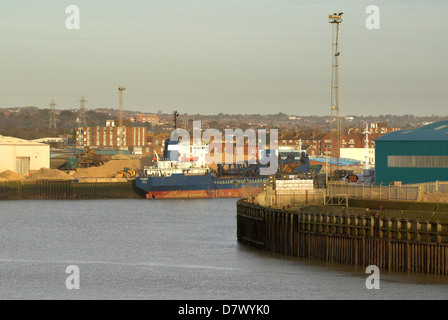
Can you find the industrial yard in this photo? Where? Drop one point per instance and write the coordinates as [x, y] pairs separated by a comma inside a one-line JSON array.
[[107, 170]]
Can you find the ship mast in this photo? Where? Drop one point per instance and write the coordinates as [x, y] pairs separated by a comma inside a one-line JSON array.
[[175, 116]]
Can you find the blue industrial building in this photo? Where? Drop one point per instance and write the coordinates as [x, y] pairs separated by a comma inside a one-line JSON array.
[[413, 156]]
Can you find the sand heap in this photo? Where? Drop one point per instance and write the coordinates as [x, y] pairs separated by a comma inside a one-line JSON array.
[[49, 174], [11, 176], [435, 197], [110, 168]]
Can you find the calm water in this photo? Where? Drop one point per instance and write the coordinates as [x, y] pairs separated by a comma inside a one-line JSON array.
[[167, 249]]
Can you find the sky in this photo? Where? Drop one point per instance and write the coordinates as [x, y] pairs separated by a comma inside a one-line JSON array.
[[229, 56]]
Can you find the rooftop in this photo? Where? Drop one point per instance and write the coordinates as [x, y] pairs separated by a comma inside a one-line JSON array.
[[333, 161], [16, 141], [437, 131]]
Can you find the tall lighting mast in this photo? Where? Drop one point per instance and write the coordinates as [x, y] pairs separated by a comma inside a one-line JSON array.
[[120, 127], [335, 19], [82, 112], [52, 123]]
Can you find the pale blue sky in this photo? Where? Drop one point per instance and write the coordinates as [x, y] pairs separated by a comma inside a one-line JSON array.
[[231, 56]]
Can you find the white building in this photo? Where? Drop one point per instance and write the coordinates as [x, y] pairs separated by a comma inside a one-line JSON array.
[[22, 156], [51, 140], [361, 154]]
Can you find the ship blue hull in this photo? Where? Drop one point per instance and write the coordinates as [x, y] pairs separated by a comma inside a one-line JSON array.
[[198, 186]]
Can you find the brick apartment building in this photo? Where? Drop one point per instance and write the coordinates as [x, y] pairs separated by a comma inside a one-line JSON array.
[[156, 144], [109, 137]]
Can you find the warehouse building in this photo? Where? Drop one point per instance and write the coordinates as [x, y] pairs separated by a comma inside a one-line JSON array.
[[23, 156], [413, 156], [360, 154]]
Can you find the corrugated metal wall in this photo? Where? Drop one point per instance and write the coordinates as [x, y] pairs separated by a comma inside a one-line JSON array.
[[386, 174]]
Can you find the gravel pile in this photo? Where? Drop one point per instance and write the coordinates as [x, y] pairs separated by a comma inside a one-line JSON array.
[[11, 176], [110, 168]]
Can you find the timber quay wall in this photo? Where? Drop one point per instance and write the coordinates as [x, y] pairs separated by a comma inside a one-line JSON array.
[[68, 190], [393, 240]]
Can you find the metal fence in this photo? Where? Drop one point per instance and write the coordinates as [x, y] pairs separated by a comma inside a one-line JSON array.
[[429, 187], [274, 198], [406, 192], [341, 191]]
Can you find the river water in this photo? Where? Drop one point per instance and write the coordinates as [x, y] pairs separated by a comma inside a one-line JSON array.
[[167, 249]]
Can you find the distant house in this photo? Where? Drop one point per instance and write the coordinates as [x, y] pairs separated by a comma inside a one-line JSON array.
[[310, 150], [330, 147], [291, 144], [147, 118]]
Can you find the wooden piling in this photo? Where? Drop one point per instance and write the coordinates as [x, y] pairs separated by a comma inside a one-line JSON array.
[[354, 237]]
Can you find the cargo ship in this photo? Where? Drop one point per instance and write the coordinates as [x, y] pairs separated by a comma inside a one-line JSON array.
[[183, 173]]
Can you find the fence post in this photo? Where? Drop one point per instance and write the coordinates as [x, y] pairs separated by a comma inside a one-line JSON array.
[[420, 193], [380, 189]]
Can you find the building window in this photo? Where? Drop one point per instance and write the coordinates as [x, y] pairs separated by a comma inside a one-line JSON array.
[[417, 161]]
